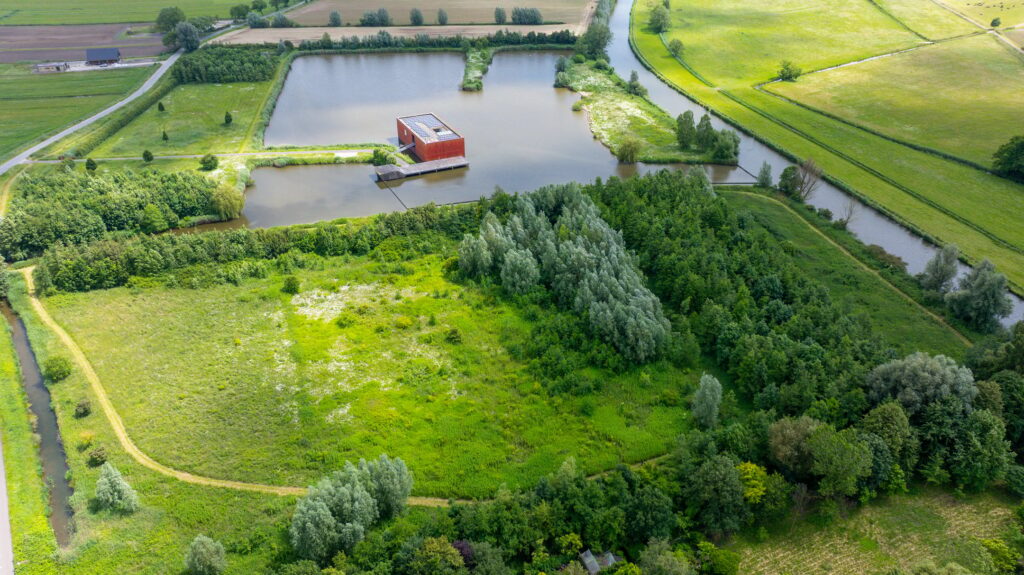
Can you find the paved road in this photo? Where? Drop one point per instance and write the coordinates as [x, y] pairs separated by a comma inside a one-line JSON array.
[[164, 67]]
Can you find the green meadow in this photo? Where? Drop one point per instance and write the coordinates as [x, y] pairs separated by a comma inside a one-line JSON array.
[[960, 97], [943, 199], [927, 18], [50, 12], [150, 541], [193, 119], [281, 389], [33, 106], [1011, 13], [734, 42]]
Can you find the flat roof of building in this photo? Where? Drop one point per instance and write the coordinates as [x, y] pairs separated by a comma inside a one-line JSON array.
[[429, 128], [93, 54]]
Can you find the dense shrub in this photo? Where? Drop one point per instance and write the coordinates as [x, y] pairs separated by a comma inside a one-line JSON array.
[[205, 557], [73, 208], [56, 368], [113, 492], [378, 18], [221, 64], [383, 39]]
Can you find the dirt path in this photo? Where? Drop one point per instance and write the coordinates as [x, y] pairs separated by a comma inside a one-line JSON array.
[[122, 434], [5, 191], [864, 266]]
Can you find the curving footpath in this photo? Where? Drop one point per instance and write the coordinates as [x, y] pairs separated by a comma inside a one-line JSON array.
[[122, 434]]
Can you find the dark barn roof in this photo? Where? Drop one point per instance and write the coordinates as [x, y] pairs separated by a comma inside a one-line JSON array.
[[101, 54]]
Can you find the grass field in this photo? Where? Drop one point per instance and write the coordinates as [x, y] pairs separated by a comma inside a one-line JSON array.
[[194, 121], [927, 18], [736, 43], [961, 97], [614, 114], [275, 392], [154, 539], [35, 105], [943, 199], [901, 531], [902, 323], [459, 11], [1011, 11], [21, 12]]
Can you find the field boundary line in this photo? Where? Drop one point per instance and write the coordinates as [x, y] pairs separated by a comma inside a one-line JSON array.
[[901, 23], [874, 172], [860, 263]]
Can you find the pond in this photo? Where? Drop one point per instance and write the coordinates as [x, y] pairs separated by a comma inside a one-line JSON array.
[[521, 133]]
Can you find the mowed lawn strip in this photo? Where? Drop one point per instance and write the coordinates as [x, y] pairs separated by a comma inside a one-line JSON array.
[[899, 531], [734, 42], [275, 391], [21, 12], [193, 119], [903, 324], [459, 11], [926, 173], [35, 105], [961, 97]]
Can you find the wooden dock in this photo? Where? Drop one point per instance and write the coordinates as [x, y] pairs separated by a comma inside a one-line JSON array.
[[392, 172]]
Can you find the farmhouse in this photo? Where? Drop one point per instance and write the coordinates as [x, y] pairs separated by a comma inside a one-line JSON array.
[[429, 138], [101, 56], [52, 67]]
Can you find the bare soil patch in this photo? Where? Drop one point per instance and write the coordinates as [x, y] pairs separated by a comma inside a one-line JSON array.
[[459, 11], [296, 35], [33, 43]]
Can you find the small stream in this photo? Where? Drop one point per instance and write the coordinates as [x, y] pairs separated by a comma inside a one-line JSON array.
[[51, 447], [868, 224]]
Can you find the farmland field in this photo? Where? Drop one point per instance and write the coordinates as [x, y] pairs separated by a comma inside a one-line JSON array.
[[1011, 11], [736, 43], [22, 12], [459, 11], [276, 391], [901, 531], [903, 95], [193, 118], [34, 105], [52, 43], [928, 18], [921, 189]]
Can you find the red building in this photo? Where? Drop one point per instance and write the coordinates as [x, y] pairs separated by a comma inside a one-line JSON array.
[[430, 138]]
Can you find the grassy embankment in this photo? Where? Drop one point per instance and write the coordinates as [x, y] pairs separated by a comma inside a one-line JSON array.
[[943, 200], [33, 106], [901, 531], [615, 114], [25, 12], [961, 97], [904, 323], [30, 528], [277, 392], [155, 538]]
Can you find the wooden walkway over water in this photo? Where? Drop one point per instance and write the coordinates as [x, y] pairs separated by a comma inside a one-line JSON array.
[[392, 172]]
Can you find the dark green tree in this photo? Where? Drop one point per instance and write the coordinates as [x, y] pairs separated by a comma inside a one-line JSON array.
[[940, 271], [500, 16], [259, 6], [715, 495], [168, 18], [659, 20], [147, 156], [90, 165], [675, 47], [335, 19], [163, 136], [239, 11], [686, 131], [209, 162], [789, 72], [437, 557], [706, 135], [187, 36], [416, 17], [981, 299], [227, 118], [840, 459], [442, 17], [764, 175], [113, 492]]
